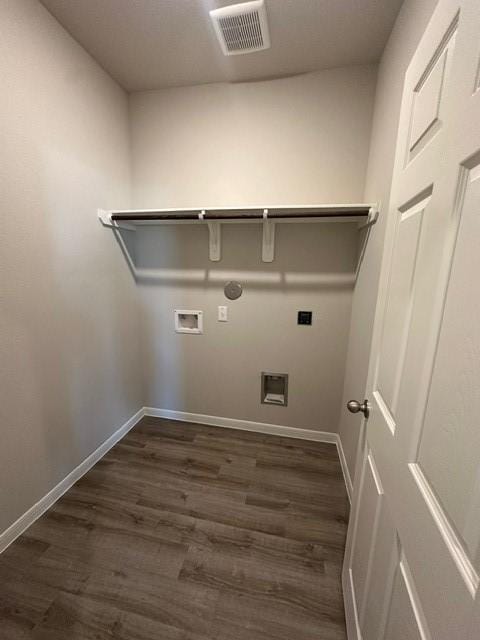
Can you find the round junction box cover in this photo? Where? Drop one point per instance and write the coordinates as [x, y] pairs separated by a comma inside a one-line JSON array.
[[233, 290]]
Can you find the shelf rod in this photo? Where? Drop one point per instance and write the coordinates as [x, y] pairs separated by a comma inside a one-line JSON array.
[[144, 217]]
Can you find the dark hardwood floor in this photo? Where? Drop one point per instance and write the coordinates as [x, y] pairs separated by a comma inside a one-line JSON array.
[[186, 532]]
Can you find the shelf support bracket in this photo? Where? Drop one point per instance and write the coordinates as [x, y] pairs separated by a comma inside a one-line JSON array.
[[372, 218], [268, 240], [367, 226], [215, 240], [106, 220]]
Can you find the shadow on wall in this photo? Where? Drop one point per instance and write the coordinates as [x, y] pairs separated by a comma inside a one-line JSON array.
[[307, 256]]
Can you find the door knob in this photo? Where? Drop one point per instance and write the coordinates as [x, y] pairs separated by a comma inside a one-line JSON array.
[[355, 407]]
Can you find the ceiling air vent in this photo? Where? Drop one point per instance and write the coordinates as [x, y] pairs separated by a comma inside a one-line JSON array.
[[241, 28]]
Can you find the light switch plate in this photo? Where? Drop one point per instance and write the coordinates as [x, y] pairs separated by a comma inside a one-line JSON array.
[[222, 314]]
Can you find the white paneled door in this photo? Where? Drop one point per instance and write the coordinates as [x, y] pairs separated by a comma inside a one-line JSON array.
[[412, 565]]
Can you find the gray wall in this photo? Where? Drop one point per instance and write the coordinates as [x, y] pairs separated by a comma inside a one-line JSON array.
[[291, 141], [218, 373], [409, 27], [69, 350], [298, 140]]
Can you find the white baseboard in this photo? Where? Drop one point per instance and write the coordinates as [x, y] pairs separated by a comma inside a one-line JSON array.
[[244, 425], [38, 509], [346, 472], [260, 427]]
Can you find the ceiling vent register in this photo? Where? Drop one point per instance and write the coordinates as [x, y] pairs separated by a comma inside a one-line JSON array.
[[241, 28]]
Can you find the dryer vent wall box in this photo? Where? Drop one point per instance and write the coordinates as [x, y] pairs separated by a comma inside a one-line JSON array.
[[275, 388], [188, 321]]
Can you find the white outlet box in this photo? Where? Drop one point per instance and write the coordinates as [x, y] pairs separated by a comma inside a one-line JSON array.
[[188, 321], [222, 314]]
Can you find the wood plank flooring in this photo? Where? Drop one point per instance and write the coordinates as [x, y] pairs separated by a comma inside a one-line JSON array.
[[186, 532]]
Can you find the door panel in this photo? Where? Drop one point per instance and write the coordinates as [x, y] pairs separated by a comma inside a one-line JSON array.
[[453, 408], [384, 563], [429, 92], [371, 503], [406, 620], [413, 547], [399, 306]]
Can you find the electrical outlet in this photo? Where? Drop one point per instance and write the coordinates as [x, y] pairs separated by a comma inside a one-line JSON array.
[[304, 317], [222, 314]]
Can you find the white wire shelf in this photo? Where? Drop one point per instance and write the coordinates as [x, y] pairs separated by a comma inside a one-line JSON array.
[[128, 220]]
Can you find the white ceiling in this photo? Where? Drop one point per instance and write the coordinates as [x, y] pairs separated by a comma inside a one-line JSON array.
[[149, 44]]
